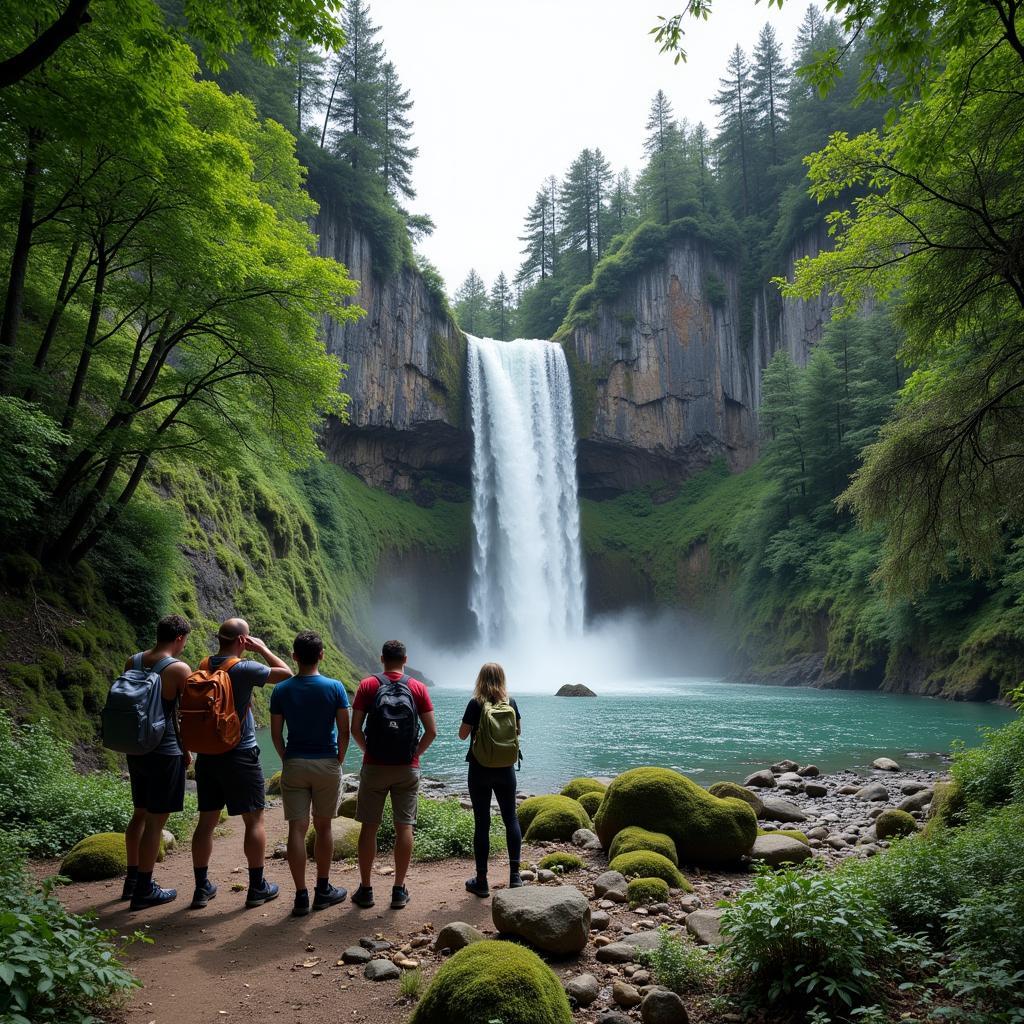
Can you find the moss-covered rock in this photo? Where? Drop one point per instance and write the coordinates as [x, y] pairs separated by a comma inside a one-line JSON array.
[[642, 891], [494, 980], [893, 822], [948, 805], [560, 861], [636, 838], [575, 788], [647, 864], [733, 789], [791, 833], [590, 801], [99, 856], [345, 833], [274, 784], [551, 818], [705, 829], [347, 806]]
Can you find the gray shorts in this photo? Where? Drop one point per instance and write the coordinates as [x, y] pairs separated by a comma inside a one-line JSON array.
[[377, 782]]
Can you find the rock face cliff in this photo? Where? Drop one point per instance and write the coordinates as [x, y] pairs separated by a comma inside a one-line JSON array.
[[406, 372]]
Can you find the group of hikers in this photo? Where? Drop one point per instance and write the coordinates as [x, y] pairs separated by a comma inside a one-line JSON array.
[[160, 713]]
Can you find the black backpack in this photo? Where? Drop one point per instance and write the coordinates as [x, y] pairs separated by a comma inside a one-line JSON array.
[[133, 719], [393, 723]]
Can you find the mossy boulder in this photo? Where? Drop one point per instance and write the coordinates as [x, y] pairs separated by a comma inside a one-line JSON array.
[[636, 838], [590, 801], [948, 805], [791, 833], [494, 980], [345, 833], [347, 806], [274, 784], [894, 823], [642, 891], [97, 857], [733, 789], [575, 788], [560, 862], [646, 864], [551, 818], [705, 828]]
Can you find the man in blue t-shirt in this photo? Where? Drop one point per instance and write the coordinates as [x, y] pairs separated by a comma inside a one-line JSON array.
[[315, 710]]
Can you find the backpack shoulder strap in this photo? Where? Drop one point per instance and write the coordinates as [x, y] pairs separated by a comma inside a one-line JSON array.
[[162, 664], [228, 664], [137, 662], [204, 665]]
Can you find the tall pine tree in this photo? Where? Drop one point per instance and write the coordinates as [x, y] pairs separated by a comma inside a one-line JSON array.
[[769, 89], [735, 141], [538, 252], [662, 182], [501, 308], [472, 308], [397, 152]]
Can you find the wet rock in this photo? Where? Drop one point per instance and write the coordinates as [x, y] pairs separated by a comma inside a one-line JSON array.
[[663, 1007], [575, 690], [457, 935], [583, 988]]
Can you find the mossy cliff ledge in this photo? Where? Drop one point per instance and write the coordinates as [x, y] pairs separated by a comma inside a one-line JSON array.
[[406, 370]]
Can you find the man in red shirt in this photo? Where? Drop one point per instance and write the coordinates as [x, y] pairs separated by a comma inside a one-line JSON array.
[[386, 716]]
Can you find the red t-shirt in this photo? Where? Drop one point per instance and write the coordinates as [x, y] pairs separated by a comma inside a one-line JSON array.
[[367, 693]]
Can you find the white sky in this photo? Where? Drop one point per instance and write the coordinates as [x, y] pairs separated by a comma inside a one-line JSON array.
[[509, 91]]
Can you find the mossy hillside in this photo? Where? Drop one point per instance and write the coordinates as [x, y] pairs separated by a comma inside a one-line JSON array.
[[494, 980], [705, 829], [575, 788], [590, 802], [551, 818], [647, 864], [633, 838], [642, 891]]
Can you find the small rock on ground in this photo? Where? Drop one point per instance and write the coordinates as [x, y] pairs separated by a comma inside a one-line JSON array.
[[381, 970], [663, 1007], [583, 988]]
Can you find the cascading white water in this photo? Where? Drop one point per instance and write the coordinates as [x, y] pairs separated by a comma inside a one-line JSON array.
[[527, 569]]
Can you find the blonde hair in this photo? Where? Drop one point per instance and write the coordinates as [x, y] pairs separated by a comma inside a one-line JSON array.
[[490, 684]]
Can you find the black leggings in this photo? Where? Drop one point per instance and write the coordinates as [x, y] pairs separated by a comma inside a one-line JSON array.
[[502, 782]]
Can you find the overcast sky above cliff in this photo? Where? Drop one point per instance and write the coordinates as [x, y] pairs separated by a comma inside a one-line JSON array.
[[509, 92]]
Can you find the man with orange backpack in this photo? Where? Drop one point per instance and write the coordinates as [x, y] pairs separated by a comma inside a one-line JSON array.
[[217, 723]]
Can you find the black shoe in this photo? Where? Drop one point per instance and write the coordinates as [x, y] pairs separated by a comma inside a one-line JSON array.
[[478, 887], [363, 896], [301, 908], [156, 897], [129, 889], [399, 897], [264, 894], [203, 894], [515, 881], [329, 897]]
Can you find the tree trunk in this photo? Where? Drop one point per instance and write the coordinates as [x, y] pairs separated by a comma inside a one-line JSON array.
[[75, 396], [59, 305], [74, 18]]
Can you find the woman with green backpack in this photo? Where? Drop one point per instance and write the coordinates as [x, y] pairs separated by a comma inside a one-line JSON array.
[[494, 723]]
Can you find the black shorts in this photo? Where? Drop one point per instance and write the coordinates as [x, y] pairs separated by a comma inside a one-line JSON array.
[[234, 780], [158, 782]]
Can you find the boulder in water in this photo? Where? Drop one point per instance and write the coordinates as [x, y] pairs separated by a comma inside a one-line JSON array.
[[575, 690]]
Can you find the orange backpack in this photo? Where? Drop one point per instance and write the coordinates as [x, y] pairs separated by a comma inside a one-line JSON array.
[[209, 722]]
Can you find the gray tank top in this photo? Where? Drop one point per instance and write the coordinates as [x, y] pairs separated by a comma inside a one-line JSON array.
[[169, 745]]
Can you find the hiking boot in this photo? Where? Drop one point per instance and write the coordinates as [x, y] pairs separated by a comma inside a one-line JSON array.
[[264, 894], [363, 896], [399, 897], [478, 887], [329, 897], [515, 881], [301, 908], [129, 889], [203, 894], [156, 897]]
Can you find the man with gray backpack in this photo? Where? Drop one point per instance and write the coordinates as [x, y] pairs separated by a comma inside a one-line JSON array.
[[140, 721]]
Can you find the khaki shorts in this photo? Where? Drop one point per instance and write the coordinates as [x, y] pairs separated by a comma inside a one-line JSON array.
[[307, 781], [376, 782]]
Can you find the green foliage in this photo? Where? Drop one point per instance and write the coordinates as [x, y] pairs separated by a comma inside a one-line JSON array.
[[560, 862], [494, 981], [633, 838], [590, 802], [443, 830], [411, 985], [575, 788], [642, 891], [30, 440], [551, 818], [55, 966], [678, 965], [992, 773], [648, 864]]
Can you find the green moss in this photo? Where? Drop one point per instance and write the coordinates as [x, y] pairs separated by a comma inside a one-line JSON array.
[[647, 864], [583, 384], [893, 822], [634, 838], [98, 857], [575, 788], [345, 833], [560, 862], [274, 784], [551, 818], [590, 802], [705, 829], [642, 891], [494, 981], [791, 833], [948, 806], [447, 361], [734, 789]]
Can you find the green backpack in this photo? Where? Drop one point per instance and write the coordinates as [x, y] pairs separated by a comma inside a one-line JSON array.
[[496, 744]]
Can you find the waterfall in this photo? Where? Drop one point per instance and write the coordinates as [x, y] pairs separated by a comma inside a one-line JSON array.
[[527, 570]]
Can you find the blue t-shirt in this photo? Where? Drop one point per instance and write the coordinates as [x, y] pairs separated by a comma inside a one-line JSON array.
[[245, 676], [310, 705]]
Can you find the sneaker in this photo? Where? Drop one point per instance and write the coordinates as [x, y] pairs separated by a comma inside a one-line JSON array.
[[301, 908], [257, 897], [203, 894], [399, 897], [515, 881], [129, 889], [156, 897], [363, 896], [329, 897], [478, 887]]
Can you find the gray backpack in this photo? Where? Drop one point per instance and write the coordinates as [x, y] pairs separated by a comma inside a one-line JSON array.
[[133, 719]]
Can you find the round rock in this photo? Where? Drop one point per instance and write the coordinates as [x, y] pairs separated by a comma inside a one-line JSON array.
[[555, 919], [611, 885], [776, 850], [456, 936], [782, 810], [663, 1007], [583, 988], [763, 779], [885, 764]]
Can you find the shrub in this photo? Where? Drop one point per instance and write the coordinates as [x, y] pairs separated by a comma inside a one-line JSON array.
[[993, 773], [647, 890], [811, 938], [575, 788], [551, 817], [561, 862], [894, 823], [494, 981], [410, 986], [646, 864], [443, 829], [678, 965], [705, 829], [55, 966], [633, 838], [590, 802], [734, 789]]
